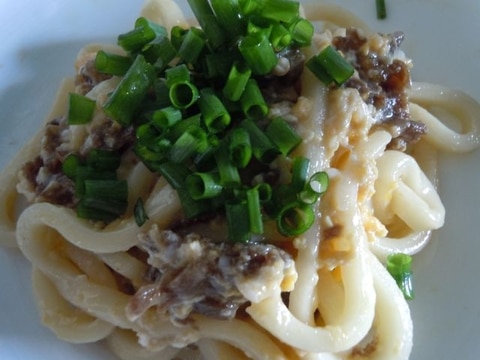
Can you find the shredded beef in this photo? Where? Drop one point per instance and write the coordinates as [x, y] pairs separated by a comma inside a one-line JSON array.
[[192, 274], [382, 81]]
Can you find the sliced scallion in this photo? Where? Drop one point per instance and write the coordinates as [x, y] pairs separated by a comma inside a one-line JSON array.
[[381, 9], [252, 101], [215, 116], [139, 212], [294, 219], [282, 135], [130, 92], [113, 64], [236, 81], [80, 109], [258, 53], [399, 265], [203, 185]]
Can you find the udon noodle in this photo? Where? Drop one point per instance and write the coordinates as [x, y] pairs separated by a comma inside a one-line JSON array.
[[342, 303]]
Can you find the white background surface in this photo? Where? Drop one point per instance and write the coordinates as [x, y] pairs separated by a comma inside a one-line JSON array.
[[40, 39]]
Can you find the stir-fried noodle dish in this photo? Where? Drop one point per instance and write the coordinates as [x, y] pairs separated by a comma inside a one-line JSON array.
[[248, 183]]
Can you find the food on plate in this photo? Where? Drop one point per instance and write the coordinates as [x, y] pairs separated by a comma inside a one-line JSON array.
[[252, 185]]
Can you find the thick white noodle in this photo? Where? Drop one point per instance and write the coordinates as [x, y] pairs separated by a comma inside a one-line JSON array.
[[462, 107]]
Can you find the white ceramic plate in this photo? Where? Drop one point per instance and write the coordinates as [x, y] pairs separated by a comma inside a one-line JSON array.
[[39, 41]]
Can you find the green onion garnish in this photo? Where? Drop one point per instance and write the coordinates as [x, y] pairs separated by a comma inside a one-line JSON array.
[[238, 221], [103, 160], [400, 267], [130, 92], [252, 102], [262, 147], [204, 185], [258, 53], [106, 189], [330, 66], [294, 219], [282, 135], [70, 165], [215, 117], [139, 212], [240, 148], [381, 9], [236, 81], [280, 10], [80, 109], [194, 98], [159, 52], [208, 22], [254, 211], [112, 64], [192, 45], [144, 32]]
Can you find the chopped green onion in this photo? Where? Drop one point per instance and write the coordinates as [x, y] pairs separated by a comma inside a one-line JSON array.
[[152, 26], [204, 185], [280, 10], [238, 221], [192, 208], [215, 116], [191, 141], [263, 148], [219, 64], [264, 192], [399, 265], [112, 64], [381, 9], [183, 94], [294, 219], [80, 109], [254, 211], [229, 174], [177, 35], [208, 22], [144, 32], [192, 45], [175, 174], [252, 102], [159, 52], [70, 165], [258, 53], [249, 7], [282, 135], [240, 148], [162, 93], [130, 92], [165, 118], [299, 171], [84, 173], [302, 31], [317, 69], [236, 81], [179, 73], [106, 189], [316, 187], [103, 160], [139, 212], [280, 37], [182, 126], [330, 65], [148, 156], [100, 209], [229, 16], [259, 24]]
